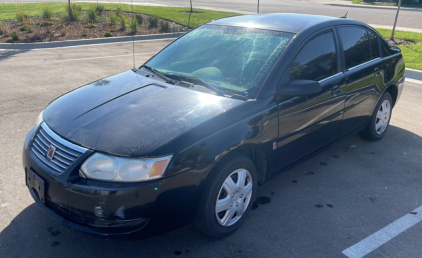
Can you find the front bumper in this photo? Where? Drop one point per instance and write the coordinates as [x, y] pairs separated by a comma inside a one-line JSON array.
[[107, 208]]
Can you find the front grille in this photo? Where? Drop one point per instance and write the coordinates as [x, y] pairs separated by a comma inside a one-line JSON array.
[[65, 152]]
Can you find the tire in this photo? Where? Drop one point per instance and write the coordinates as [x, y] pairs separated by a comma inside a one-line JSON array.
[[380, 119], [229, 218]]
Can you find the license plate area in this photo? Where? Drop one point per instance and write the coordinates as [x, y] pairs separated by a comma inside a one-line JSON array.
[[35, 183]]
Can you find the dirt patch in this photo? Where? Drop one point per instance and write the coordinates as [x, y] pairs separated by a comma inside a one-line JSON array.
[[37, 30], [400, 42]]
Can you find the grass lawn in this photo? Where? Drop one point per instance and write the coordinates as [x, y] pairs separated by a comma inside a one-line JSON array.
[[8, 11], [412, 54]]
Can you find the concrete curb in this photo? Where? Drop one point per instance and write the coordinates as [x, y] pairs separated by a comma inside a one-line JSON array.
[[79, 42], [414, 74]]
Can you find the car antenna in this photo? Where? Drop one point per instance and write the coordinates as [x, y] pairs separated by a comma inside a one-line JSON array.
[[345, 16], [133, 37]]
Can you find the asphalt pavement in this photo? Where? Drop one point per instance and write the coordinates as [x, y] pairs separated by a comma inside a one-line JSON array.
[[378, 16], [320, 208]]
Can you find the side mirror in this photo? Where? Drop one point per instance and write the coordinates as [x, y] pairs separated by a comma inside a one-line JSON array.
[[300, 88]]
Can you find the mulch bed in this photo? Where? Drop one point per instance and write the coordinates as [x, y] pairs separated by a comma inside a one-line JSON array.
[[61, 30], [400, 42]]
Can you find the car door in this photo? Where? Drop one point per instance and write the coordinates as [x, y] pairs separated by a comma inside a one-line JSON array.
[[308, 123], [362, 67]]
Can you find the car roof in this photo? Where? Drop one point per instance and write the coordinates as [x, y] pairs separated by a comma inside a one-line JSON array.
[[287, 22]]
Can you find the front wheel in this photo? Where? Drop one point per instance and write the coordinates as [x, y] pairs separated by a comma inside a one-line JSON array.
[[380, 119], [227, 197]]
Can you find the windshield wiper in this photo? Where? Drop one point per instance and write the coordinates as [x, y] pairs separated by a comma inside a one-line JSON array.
[[200, 81], [159, 74]]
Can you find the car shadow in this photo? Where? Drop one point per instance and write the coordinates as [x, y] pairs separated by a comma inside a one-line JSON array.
[[32, 233], [8, 53]]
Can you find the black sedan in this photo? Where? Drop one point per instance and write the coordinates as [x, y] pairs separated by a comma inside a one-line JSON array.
[[192, 132]]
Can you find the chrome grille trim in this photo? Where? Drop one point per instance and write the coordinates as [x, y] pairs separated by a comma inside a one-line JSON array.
[[65, 154]]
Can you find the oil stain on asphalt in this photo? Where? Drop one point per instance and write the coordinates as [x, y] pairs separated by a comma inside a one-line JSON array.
[[53, 232], [261, 200]]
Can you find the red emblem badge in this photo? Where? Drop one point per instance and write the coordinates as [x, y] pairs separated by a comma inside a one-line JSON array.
[[50, 152]]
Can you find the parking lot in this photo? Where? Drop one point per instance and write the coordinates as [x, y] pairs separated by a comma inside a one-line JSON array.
[[320, 208]]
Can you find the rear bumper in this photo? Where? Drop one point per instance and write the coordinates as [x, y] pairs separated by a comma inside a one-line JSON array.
[[106, 208]]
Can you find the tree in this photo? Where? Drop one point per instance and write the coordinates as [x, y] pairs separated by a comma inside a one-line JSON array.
[[395, 21], [191, 6], [68, 11]]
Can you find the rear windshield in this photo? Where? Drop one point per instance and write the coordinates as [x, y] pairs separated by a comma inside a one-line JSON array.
[[233, 59]]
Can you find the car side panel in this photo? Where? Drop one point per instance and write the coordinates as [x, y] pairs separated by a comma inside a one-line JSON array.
[[308, 123], [362, 93], [255, 122]]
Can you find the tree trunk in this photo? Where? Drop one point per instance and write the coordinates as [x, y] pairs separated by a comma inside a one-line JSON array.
[[191, 6], [68, 11], [395, 21], [258, 8]]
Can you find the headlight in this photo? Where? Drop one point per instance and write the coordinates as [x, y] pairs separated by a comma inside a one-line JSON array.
[[39, 120], [117, 169]]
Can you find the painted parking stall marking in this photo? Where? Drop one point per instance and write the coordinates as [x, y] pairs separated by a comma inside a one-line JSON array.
[[384, 235]]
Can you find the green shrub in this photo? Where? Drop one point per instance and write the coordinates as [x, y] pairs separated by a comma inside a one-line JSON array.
[[119, 11], [28, 28], [4, 31], [113, 18], [165, 26], [21, 16], [36, 36], [92, 14], [47, 12], [90, 26], [100, 9], [153, 21], [14, 35], [123, 22], [133, 25], [46, 23], [139, 18], [75, 12], [108, 34], [84, 34], [22, 28]]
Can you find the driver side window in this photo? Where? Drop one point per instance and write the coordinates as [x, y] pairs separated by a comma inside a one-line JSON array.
[[317, 60]]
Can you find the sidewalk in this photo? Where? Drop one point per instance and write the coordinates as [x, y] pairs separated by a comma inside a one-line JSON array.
[[350, 3]]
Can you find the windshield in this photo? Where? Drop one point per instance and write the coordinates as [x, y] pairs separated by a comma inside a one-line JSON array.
[[234, 60]]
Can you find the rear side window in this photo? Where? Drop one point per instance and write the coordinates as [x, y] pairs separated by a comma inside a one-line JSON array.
[[355, 45], [317, 60], [373, 38]]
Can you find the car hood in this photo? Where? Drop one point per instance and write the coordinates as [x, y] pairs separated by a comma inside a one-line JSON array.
[[131, 115]]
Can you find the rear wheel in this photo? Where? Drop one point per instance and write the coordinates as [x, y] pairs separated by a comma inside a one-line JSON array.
[[227, 197], [380, 119]]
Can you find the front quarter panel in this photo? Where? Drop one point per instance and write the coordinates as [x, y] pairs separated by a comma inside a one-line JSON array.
[[254, 122]]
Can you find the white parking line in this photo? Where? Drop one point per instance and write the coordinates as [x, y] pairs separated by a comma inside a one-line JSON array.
[[384, 235], [100, 57]]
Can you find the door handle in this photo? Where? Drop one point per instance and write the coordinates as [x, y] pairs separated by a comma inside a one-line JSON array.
[[335, 90], [376, 71]]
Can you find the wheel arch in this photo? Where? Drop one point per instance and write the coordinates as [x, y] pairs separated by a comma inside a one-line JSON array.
[[393, 90], [254, 152]]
